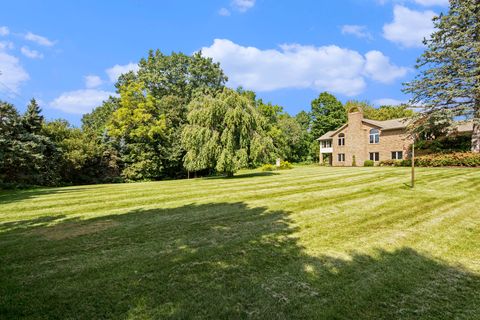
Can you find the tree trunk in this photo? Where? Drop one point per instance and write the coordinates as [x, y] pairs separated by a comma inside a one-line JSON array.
[[476, 129]]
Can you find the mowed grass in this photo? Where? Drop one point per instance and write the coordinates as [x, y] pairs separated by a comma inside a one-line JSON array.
[[308, 243]]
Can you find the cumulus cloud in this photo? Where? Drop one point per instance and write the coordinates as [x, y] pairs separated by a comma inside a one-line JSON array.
[[328, 68], [409, 27], [6, 45], [4, 31], [117, 70], [358, 31], [40, 40], [80, 101], [243, 5], [12, 74], [92, 81], [32, 54], [379, 68], [224, 12]]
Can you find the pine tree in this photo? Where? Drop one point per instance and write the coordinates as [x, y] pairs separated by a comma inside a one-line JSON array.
[[32, 119], [449, 77]]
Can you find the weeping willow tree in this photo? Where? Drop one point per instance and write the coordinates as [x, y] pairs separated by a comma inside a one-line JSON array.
[[449, 77], [225, 133]]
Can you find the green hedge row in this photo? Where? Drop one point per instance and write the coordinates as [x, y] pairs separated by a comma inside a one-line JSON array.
[[456, 159]]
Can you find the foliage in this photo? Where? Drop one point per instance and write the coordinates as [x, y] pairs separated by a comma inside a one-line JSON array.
[[285, 165], [327, 114], [268, 167], [449, 67], [381, 113], [224, 132], [354, 161], [455, 159], [368, 163]]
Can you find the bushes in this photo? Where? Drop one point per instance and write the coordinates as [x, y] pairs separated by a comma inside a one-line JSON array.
[[284, 165], [457, 159], [368, 163]]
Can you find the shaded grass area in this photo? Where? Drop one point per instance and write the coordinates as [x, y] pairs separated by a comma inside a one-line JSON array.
[[310, 243]]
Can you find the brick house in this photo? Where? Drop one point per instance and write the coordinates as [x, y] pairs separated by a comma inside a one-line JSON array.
[[365, 139]]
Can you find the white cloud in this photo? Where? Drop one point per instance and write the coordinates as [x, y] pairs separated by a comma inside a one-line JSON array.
[[388, 102], [356, 30], [6, 45], [92, 81], [32, 54], [80, 101], [43, 41], [224, 12], [379, 68], [117, 70], [328, 68], [4, 31], [243, 5], [12, 73], [409, 27]]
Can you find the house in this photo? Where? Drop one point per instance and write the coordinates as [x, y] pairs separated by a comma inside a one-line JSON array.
[[363, 139]]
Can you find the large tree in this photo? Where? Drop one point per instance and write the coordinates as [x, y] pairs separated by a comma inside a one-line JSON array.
[[449, 76], [225, 133], [327, 114]]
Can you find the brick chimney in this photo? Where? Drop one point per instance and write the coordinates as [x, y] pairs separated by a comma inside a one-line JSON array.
[[355, 117]]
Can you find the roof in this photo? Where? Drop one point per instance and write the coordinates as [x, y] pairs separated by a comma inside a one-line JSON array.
[[393, 124]]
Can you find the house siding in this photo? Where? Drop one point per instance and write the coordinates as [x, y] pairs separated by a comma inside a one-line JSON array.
[[357, 142]]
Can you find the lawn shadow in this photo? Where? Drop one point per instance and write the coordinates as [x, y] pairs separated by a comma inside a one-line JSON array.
[[246, 175], [214, 261], [9, 196]]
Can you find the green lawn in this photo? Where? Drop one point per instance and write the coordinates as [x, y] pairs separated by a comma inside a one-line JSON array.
[[312, 242]]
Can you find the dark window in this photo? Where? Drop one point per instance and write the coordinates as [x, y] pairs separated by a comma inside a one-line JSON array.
[[374, 136], [397, 155], [341, 139], [374, 156], [341, 157]]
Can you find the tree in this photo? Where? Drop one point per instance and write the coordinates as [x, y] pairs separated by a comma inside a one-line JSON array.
[[224, 132], [449, 69], [327, 114], [383, 112], [32, 119]]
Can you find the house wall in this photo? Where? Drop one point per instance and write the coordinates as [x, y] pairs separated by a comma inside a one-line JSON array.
[[357, 134]]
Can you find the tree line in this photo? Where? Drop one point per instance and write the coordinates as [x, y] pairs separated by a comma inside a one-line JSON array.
[[172, 117]]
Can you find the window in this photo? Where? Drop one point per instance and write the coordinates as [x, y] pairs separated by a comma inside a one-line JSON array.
[[397, 155], [374, 156], [341, 157], [374, 136], [341, 139], [326, 144]]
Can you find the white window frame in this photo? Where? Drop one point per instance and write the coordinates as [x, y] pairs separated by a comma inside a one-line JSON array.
[[374, 156], [374, 136], [341, 157]]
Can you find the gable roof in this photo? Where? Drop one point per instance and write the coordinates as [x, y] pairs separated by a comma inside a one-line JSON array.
[[392, 124]]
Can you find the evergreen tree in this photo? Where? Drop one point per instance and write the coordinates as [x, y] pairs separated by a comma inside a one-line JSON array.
[[32, 119], [449, 76]]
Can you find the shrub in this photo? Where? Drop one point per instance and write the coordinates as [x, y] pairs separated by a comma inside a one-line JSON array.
[[268, 167], [285, 165], [354, 161], [368, 163], [456, 159]]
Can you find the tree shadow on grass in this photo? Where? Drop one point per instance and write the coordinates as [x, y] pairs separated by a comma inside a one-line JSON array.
[[245, 175], [9, 196], [214, 261]]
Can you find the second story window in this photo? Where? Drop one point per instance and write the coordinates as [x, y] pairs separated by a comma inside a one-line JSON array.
[[341, 139], [327, 144], [374, 136]]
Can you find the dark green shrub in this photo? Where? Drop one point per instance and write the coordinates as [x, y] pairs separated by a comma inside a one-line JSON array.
[[368, 163]]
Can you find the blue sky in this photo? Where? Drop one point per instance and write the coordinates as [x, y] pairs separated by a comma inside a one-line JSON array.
[[67, 54]]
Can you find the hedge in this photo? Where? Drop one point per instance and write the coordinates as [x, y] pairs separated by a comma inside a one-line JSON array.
[[456, 159]]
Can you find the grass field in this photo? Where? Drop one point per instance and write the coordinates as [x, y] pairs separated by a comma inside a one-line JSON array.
[[312, 242]]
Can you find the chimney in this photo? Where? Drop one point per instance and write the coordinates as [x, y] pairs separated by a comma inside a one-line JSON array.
[[355, 115]]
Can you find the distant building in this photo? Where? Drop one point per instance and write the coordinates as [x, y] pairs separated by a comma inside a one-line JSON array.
[[364, 139]]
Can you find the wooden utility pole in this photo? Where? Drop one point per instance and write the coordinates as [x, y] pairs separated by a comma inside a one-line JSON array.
[[413, 163]]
